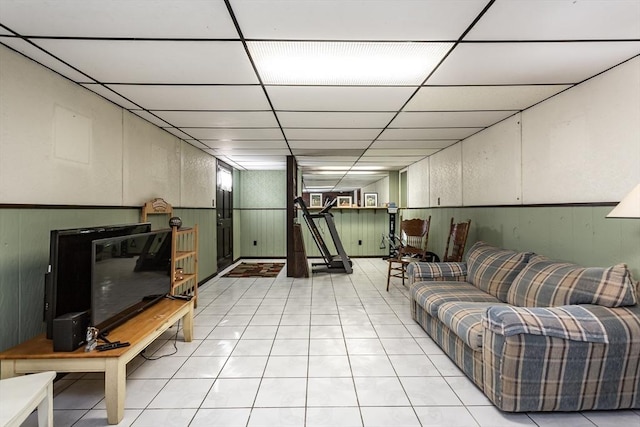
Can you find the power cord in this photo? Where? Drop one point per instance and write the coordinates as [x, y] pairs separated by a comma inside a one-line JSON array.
[[175, 347]]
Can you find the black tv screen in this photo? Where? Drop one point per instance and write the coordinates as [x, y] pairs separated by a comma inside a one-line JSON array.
[[68, 280], [128, 274]]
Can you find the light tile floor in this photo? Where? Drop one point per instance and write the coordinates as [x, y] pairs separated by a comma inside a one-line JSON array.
[[333, 350]]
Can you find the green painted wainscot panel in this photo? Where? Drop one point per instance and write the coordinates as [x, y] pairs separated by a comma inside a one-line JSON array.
[[24, 258], [578, 234], [267, 228], [207, 235], [353, 225]]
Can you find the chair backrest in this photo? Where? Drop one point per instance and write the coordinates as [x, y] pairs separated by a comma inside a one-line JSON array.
[[456, 241], [414, 234]]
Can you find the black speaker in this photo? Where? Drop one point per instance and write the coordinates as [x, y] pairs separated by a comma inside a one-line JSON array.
[[70, 331]]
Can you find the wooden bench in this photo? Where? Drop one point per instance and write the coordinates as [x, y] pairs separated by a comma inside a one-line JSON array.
[[37, 355]]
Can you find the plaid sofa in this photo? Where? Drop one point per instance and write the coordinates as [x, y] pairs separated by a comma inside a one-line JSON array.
[[532, 333]]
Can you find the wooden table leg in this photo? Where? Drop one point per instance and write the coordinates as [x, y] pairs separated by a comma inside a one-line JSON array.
[[187, 322], [7, 369], [115, 378]]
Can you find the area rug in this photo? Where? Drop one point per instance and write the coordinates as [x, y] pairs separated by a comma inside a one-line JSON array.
[[256, 269]]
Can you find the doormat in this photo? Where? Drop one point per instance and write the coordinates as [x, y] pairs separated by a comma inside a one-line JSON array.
[[258, 269]]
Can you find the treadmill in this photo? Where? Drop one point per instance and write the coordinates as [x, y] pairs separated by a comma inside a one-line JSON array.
[[339, 262]]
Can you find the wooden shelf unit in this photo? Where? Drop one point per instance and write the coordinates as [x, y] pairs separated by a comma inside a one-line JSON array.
[[156, 206], [184, 255], [184, 250]]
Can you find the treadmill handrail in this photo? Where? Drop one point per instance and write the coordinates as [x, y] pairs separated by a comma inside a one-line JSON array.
[[327, 207]]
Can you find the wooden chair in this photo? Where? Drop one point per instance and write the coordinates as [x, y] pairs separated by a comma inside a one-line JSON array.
[[456, 241], [414, 234]]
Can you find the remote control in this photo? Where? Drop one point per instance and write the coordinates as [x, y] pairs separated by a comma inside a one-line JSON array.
[[105, 347]]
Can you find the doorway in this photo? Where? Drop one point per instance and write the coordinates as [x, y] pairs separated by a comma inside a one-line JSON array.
[[224, 216]]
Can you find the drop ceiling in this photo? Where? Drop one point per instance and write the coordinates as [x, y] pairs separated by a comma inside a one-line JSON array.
[[192, 68]]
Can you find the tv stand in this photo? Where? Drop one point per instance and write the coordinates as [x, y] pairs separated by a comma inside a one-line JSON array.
[[37, 355]]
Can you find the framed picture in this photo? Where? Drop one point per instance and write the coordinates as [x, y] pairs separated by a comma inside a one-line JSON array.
[[370, 200], [344, 201], [315, 200]]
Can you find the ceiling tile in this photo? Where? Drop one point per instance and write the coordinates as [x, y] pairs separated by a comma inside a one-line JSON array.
[[161, 62], [249, 145], [470, 98], [231, 134], [111, 95], [176, 97], [44, 58], [356, 20], [334, 120], [196, 143], [327, 145], [253, 153], [130, 18], [428, 133], [326, 154], [178, 133], [327, 160], [449, 119], [391, 165], [529, 63], [218, 118], [399, 152], [335, 134], [414, 144], [150, 118], [559, 20], [333, 98]]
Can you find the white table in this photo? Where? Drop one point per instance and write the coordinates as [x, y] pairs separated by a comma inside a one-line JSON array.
[[19, 396]]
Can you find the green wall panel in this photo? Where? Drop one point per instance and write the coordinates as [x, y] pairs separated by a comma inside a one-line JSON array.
[[24, 257], [579, 234], [207, 248], [267, 228], [352, 225]]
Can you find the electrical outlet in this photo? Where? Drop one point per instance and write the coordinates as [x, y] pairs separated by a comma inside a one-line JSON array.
[[255, 243], [360, 242]]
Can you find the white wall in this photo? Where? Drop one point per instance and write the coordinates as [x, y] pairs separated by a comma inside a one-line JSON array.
[[584, 145], [492, 165], [445, 173], [580, 146], [381, 187], [418, 184], [62, 144]]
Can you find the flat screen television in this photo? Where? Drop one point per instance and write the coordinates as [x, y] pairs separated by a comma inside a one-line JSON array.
[[68, 279], [128, 274]]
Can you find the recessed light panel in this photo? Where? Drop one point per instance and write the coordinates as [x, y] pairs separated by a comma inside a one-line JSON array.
[[341, 63]]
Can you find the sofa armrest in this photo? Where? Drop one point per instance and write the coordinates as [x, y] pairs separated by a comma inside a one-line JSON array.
[[571, 322], [436, 271]]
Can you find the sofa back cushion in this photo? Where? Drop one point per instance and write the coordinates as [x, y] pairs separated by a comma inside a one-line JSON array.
[[547, 283], [493, 269]]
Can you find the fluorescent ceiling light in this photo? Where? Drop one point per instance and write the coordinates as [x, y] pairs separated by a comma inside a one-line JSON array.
[[342, 63]]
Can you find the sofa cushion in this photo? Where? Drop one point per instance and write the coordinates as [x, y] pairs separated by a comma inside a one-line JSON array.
[[465, 320], [570, 322], [547, 283], [493, 269], [431, 295], [437, 271]]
